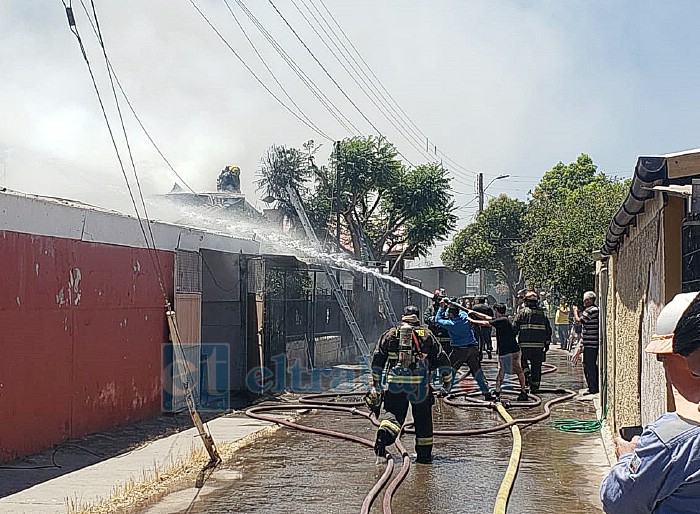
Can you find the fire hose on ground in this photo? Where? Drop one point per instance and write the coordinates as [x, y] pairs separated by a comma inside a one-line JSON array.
[[330, 402]]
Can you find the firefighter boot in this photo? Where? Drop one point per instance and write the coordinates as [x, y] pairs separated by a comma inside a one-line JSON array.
[[384, 439], [424, 454]]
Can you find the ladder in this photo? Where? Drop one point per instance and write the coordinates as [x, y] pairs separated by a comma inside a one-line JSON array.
[[335, 287], [378, 283]]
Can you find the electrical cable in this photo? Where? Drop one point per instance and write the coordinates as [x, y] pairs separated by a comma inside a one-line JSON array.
[[357, 66], [250, 70], [154, 255], [74, 29], [133, 111], [383, 88], [390, 117], [269, 70], [151, 251], [332, 79], [343, 120]]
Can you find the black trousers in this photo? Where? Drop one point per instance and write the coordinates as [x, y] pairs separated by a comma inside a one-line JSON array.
[[590, 368], [470, 357], [395, 411], [532, 360], [485, 339]]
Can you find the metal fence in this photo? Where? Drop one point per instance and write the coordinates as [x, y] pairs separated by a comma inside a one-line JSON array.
[[303, 320]]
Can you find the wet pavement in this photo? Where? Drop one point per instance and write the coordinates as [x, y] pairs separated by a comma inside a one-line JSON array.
[[293, 471]]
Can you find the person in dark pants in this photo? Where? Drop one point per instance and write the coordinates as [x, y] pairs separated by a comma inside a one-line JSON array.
[[590, 340], [484, 331], [534, 336], [465, 348], [409, 354]]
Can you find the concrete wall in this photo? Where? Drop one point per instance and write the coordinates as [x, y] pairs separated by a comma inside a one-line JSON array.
[[632, 267], [82, 329], [642, 277]]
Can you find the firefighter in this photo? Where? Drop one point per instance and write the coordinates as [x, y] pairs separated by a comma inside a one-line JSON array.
[[408, 354], [534, 335], [429, 318]]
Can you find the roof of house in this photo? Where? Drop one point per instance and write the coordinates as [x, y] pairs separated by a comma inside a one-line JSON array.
[[60, 217], [670, 173]]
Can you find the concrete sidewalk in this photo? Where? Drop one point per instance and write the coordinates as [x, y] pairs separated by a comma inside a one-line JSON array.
[[97, 482]]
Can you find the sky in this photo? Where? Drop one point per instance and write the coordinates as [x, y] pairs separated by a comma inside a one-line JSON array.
[[497, 87]]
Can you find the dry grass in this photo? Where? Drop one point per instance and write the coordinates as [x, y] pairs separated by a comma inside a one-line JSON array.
[[157, 482]]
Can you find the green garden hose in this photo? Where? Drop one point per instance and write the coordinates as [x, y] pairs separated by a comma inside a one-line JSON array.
[[576, 426]]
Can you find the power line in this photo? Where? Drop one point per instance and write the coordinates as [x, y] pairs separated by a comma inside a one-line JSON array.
[[371, 95], [385, 90], [155, 259], [74, 29], [335, 82], [262, 60], [250, 70], [343, 120], [131, 107]]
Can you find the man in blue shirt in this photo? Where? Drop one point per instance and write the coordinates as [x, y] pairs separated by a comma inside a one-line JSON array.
[[465, 348], [659, 472]]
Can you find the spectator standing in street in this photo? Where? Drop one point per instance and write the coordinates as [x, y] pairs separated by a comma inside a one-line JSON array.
[[483, 331], [509, 358], [659, 471], [562, 323], [590, 340], [550, 309]]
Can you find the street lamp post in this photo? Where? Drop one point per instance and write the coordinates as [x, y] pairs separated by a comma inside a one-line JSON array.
[[481, 189]]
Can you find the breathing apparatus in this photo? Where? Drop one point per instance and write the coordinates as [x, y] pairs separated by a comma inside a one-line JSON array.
[[405, 345]]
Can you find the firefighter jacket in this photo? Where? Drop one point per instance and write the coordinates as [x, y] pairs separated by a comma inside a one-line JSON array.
[[532, 328], [429, 319], [427, 356]]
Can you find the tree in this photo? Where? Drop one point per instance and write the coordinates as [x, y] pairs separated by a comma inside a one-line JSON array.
[[491, 242], [374, 194], [564, 178], [569, 216], [229, 180]]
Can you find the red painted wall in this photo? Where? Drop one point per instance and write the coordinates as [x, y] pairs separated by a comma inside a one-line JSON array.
[[81, 329]]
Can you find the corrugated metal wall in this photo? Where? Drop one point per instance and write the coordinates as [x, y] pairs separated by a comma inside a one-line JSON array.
[[223, 303], [82, 330]]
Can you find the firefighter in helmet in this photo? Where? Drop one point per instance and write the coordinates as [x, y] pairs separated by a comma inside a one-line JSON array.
[[534, 332], [408, 355]]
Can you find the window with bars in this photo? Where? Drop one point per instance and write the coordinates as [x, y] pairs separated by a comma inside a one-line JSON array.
[[189, 272]]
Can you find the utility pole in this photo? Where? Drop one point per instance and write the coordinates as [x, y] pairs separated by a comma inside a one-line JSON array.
[[480, 192], [337, 194]]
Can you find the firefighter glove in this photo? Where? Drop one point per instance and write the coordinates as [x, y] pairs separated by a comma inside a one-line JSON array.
[[373, 400], [442, 392]]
